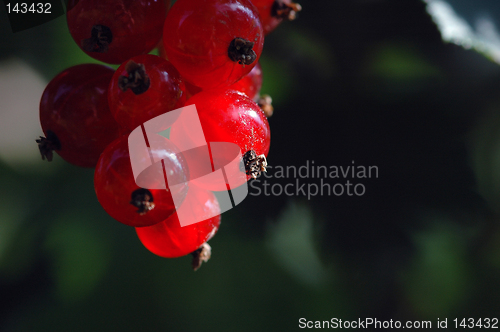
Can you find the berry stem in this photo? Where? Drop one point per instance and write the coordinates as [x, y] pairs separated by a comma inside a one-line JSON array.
[[254, 164], [100, 38], [48, 145], [265, 104], [202, 254], [285, 11], [143, 200], [240, 50], [137, 80]]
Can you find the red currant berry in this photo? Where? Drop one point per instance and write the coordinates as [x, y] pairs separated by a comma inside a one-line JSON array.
[[273, 12], [250, 84], [226, 116], [115, 30], [143, 88], [123, 199], [75, 116], [213, 43], [230, 116], [169, 239]]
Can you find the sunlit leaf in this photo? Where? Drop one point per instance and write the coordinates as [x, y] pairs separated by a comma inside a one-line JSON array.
[[471, 24]]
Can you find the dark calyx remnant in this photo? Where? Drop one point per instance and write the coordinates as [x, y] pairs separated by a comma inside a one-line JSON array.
[[143, 200], [240, 50], [266, 104], [100, 38], [285, 11], [137, 79], [201, 255], [254, 164], [49, 144]]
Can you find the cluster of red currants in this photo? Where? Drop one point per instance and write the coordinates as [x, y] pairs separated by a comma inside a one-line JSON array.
[[208, 57]]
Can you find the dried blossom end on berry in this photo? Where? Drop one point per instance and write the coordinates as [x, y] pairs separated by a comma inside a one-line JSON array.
[[143, 200], [254, 164], [285, 11], [202, 254], [48, 144], [265, 103], [137, 80], [240, 50], [100, 38]]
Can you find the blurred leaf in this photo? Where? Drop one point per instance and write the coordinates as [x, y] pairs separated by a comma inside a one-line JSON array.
[[17, 246], [309, 48], [484, 141], [398, 62], [80, 255], [278, 80], [437, 281], [492, 250], [291, 242]]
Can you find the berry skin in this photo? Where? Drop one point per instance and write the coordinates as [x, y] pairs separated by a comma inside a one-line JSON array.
[[230, 116], [250, 84], [225, 116], [213, 43], [123, 199], [115, 30], [170, 240], [273, 12], [143, 88], [75, 116]]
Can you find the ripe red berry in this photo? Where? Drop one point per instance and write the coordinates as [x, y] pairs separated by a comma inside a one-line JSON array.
[[230, 116], [250, 84], [75, 116], [143, 88], [123, 199], [273, 12], [169, 239], [213, 43], [115, 30]]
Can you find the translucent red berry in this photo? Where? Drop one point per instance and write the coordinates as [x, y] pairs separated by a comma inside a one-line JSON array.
[[143, 88], [123, 199], [113, 31], [250, 84], [213, 43], [230, 116], [75, 116], [273, 12], [169, 239]]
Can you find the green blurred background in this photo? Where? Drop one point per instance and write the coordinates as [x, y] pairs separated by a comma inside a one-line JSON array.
[[369, 81]]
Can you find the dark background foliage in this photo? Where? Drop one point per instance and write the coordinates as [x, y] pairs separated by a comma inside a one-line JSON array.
[[369, 82]]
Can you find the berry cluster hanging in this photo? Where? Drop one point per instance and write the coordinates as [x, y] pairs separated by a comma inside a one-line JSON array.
[[208, 57]]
